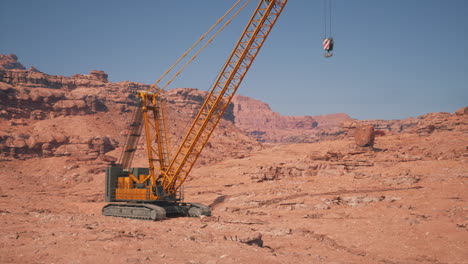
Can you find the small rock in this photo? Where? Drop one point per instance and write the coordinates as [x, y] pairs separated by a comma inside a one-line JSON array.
[[322, 207], [255, 239], [108, 158]]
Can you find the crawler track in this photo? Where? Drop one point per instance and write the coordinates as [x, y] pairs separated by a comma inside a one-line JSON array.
[[136, 211], [155, 212]]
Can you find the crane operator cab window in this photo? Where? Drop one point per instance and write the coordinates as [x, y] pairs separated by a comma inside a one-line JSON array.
[[328, 47]]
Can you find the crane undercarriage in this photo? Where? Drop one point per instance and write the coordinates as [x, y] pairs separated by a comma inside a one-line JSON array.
[[142, 200]]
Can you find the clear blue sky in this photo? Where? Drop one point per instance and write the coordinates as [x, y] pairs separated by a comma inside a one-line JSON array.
[[393, 59]]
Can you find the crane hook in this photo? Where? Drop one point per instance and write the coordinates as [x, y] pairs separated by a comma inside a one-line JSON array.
[[328, 47]]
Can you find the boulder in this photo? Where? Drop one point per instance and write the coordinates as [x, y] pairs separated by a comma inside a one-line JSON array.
[[100, 145], [364, 136], [60, 138], [254, 239]]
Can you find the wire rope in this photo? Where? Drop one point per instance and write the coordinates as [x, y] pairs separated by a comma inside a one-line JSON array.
[[206, 44], [325, 18], [182, 132], [330, 17], [155, 84]]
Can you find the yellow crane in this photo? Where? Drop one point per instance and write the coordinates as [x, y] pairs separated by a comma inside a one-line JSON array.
[[155, 192]]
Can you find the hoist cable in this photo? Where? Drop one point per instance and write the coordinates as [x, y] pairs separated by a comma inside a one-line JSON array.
[[325, 18], [330, 17]]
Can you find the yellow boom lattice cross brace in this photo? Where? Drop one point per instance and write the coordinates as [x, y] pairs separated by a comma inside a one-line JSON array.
[[170, 173], [227, 83], [156, 134]]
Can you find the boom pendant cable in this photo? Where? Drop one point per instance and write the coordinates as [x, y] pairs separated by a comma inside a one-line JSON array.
[[206, 44], [182, 131], [155, 85]]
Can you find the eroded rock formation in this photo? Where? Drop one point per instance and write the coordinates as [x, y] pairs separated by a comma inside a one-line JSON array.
[[91, 115], [10, 61], [258, 120]]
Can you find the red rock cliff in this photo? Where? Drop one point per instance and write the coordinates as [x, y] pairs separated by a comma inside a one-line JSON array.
[[47, 115]]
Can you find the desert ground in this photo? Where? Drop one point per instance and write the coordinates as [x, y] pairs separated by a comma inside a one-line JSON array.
[[281, 189], [325, 202]]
